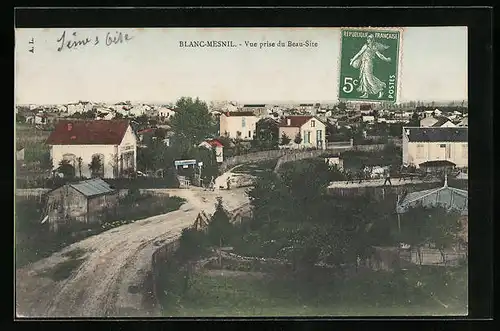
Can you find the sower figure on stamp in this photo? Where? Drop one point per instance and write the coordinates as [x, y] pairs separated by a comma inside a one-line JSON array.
[[368, 83]]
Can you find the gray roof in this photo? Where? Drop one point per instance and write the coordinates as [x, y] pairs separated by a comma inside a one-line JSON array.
[[448, 197], [92, 187], [423, 134]]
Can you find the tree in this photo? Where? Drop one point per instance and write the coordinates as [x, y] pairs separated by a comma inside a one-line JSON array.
[[80, 161], [415, 120], [267, 133], [423, 226], [298, 139], [284, 140], [342, 106], [191, 243], [66, 169], [46, 161], [95, 166], [192, 122], [219, 229]]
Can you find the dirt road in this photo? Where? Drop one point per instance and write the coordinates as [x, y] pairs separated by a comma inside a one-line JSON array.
[[115, 262]]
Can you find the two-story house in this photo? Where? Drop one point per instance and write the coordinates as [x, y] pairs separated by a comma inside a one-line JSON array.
[[311, 130], [239, 124], [422, 144], [80, 141]]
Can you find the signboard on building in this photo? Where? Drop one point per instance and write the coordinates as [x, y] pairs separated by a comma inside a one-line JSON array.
[[183, 163]]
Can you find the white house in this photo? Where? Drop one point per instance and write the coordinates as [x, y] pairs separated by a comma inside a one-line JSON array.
[[217, 145], [438, 122], [239, 124], [368, 119], [79, 141], [311, 130], [421, 144], [165, 112]]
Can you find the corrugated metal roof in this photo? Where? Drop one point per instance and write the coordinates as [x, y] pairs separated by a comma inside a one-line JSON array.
[[92, 187], [448, 197]]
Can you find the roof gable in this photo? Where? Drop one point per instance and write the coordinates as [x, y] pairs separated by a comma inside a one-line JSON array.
[[88, 132], [436, 134], [296, 121]]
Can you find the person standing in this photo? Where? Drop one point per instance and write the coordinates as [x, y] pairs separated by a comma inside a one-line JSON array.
[[387, 175], [228, 182]]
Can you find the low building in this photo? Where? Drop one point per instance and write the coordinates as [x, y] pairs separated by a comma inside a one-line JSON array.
[[422, 144], [215, 145], [84, 203], [335, 161], [311, 130], [258, 110], [241, 124], [78, 142], [368, 119]]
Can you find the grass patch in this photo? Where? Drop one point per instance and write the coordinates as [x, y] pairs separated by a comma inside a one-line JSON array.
[[255, 169], [75, 253], [368, 294], [34, 241], [63, 270]]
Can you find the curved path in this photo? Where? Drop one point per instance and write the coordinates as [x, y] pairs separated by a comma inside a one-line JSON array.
[[114, 262]]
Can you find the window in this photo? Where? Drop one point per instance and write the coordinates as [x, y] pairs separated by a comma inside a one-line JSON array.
[[249, 134], [313, 123], [243, 122], [420, 151], [448, 151], [465, 151], [307, 137]]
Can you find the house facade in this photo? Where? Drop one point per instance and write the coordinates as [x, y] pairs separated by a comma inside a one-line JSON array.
[[79, 141], [216, 145], [422, 144], [85, 202], [238, 125], [310, 128]]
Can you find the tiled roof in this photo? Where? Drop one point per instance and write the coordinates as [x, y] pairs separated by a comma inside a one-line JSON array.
[[215, 143], [93, 187], [88, 132], [422, 134], [295, 121]]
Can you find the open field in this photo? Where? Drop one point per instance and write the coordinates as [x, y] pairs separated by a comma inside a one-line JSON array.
[[225, 293], [33, 140], [255, 169]]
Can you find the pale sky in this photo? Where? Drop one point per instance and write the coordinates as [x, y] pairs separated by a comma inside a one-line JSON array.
[[151, 67]]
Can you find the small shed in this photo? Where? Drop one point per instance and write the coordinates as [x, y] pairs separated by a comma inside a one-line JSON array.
[[82, 203]]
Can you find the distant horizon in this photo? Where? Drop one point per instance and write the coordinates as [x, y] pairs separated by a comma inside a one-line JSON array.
[[154, 67], [458, 101]]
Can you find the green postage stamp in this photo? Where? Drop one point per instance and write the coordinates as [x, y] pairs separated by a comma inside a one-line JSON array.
[[369, 65]]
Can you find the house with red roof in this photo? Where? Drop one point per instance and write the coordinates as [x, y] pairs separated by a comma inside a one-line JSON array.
[[80, 141], [312, 131], [216, 145]]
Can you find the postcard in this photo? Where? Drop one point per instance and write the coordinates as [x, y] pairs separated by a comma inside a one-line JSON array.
[[237, 172]]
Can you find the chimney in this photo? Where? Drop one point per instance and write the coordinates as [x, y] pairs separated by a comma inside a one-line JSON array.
[[69, 126], [288, 121]]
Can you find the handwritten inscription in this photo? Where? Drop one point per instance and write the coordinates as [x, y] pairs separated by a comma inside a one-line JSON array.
[[74, 41], [32, 42]]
